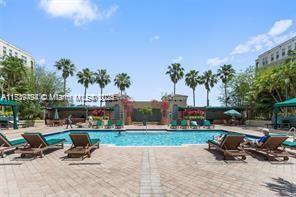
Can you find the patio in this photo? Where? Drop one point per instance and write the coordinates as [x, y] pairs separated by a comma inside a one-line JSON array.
[[154, 171], [113, 171]]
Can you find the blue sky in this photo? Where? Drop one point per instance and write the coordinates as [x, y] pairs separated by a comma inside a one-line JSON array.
[[143, 37]]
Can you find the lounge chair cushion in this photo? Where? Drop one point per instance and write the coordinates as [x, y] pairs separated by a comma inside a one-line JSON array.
[[119, 123], [54, 141], [207, 123], [94, 141], [48, 142], [99, 123], [17, 142], [174, 123], [214, 142], [184, 123], [290, 144]]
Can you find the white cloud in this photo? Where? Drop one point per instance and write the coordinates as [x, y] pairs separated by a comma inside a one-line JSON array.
[[280, 39], [153, 38], [81, 11], [41, 61], [280, 27], [266, 40], [177, 59], [216, 61], [3, 3]]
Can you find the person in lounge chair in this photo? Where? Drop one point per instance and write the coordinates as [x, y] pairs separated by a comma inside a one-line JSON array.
[[260, 141]]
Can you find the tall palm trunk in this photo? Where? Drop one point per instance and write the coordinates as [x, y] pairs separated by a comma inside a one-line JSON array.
[[64, 86], [225, 93], [193, 91], [101, 97], [84, 100], [121, 92], [174, 89], [208, 101]]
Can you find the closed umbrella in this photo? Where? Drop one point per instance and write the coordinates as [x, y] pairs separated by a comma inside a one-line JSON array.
[[232, 113], [56, 114]]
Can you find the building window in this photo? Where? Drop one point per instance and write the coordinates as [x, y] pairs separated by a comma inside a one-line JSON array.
[[10, 52], [295, 46], [289, 48], [15, 54], [271, 57], [283, 52], [264, 61], [24, 59], [277, 55]]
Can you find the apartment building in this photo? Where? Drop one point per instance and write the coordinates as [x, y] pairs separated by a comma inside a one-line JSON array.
[[8, 49], [276, 55]]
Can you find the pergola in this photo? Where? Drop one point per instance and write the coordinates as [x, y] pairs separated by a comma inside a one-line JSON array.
[[278, 105], [13, 105]]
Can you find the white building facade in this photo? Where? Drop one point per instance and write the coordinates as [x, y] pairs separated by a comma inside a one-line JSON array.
[[8, 49], [276, 55]]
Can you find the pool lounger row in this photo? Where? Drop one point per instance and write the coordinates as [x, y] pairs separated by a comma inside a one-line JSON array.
[[193, 124], [35, 144], [230, 145]]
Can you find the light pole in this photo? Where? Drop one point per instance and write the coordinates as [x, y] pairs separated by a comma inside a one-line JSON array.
[[2, 90], [287, 81], [2, 84]]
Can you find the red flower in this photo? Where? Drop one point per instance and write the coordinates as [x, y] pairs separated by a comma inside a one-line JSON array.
[[165, 105]]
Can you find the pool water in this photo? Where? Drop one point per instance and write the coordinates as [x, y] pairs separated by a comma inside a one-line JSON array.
[[160, 138]]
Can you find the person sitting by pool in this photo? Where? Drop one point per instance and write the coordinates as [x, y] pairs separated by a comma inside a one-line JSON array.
[[258, 142], [90, 121]]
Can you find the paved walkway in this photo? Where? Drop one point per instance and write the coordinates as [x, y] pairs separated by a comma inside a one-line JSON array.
[[129, 171]]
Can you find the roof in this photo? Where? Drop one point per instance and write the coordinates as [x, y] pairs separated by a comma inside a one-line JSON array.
[[16, 48], [222, 108], [287, 103], [7, 103], [79, 107], [277, 47]]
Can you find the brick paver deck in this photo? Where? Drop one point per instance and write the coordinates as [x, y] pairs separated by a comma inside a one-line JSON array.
[[150, 171], [154, 171]]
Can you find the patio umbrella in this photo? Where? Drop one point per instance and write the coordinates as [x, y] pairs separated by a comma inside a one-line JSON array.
[[232, 113], [56, 114]]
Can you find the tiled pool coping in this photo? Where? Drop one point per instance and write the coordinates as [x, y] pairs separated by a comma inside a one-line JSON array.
[[141, 130]]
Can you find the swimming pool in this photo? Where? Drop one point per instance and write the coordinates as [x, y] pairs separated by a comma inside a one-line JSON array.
[[155, 138]]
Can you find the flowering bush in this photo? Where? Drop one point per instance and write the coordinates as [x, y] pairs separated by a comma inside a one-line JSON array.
[[128, 106], [98, 112], [194, 114], [165, 105]]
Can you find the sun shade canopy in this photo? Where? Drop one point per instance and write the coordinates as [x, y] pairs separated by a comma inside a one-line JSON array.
[[287, 103]]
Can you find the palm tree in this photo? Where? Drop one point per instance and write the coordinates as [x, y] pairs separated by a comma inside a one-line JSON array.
[[209, 80], [13, 71], [85, 77], [102, 78], [176, 72], [122, 81], [226, 73], [192, 79], [67, 69]]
